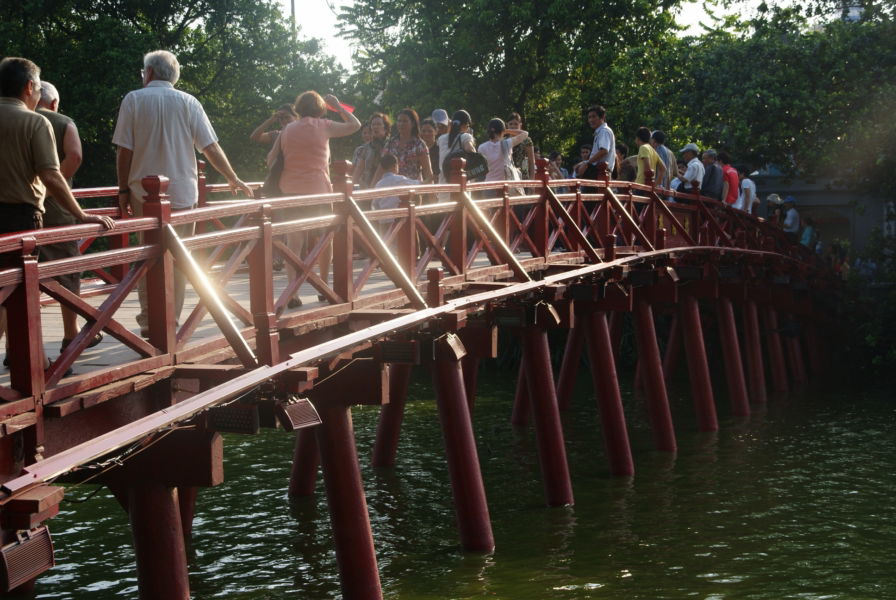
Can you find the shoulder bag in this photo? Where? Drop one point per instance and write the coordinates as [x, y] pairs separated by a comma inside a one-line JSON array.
[[477, 165], [271, 186]]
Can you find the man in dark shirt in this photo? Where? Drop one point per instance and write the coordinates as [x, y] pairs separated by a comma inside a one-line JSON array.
[[68, 147], [713, 178]]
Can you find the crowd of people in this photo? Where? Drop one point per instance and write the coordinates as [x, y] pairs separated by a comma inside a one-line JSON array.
[[159, 129]]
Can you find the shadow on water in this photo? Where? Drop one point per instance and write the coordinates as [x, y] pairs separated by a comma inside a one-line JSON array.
[[793, 502]]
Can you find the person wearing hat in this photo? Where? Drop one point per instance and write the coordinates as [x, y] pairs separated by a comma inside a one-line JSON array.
[[791, 219], [693, 176], [440, 117]]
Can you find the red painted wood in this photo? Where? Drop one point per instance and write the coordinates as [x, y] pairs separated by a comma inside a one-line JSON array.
[[609, 400], [522, 404], [775, 351], [160, 277], [158, 543], [734, 369], [658, 402], [306, 458], [753, 348], [388, 427], [673, 349], [261, 291], [698, 367], [572, 356], [548, 430], [358, 573]]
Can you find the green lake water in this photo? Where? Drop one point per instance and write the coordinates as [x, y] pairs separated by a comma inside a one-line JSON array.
[[798, 501]]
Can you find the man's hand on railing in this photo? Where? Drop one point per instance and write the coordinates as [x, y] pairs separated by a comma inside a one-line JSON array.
[[106, 222], [238, 184]]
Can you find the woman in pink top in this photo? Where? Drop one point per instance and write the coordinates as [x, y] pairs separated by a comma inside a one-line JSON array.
[[306, 163]]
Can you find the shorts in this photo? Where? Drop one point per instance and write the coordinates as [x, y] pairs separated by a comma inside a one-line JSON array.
[[15, 218], [56, 216]]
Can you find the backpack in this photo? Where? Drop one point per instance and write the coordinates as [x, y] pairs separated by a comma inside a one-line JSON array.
[[477, 166]]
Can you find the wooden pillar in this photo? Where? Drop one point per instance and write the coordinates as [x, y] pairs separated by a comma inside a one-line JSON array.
[[734, 366], [353, 540], [609, 400], [657, 400], [522, 403], [470, 367], [186, 502], [572, 355], [698, 366], [753, 347], [795, 353], [673, 349], [388, 428], [775, 351], [160, 277], [548, 430], [158, 543], [468, 490], [261, 290], [306, 458]]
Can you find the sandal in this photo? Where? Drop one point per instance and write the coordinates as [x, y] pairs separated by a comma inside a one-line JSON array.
[[96, 340]]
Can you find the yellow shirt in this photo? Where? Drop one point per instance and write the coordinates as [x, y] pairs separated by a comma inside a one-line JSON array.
[[646, 151], [28, 148]]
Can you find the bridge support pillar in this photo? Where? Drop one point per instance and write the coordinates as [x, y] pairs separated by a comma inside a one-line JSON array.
[[658, 401], [548, 430], [522, 404], [609, 400], [358, 573], [698, 367], [813, 347], [755, 368], [795, 353], [158, 543], [673, 348], [306, 458], [467, 487], [388, 428], [734, 366], [775, 351], [572, 355]]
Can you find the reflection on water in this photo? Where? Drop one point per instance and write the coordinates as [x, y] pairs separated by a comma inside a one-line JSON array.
[[795, 502]]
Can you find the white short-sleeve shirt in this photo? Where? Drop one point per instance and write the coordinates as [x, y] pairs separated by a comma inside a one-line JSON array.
[[164, 127], [498, 155], [694, 172], [445, 148], [604, 138]]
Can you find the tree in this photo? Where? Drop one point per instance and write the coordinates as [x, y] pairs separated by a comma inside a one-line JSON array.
[[239, 58], [540, 58]]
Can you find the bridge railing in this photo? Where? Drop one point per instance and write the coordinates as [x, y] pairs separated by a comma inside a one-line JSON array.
[[432, 227]]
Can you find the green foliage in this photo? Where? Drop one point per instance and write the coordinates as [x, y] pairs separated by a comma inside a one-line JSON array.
[[540, 58], [239, 58]]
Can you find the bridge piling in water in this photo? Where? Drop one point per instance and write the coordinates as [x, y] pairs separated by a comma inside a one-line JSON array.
[[657, 401], [698, 367], [548, 430], [753, 346], [358, 572], [462, 457], [609, 400], [388, 430], [734, 370], [775, 351]]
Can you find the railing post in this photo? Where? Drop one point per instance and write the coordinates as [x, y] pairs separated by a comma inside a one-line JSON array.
[[407, 238], [261, 289], [457, 239], [343, 283], [23, 327], [602, 223], [160, 277], [202, 199], [541, 235]]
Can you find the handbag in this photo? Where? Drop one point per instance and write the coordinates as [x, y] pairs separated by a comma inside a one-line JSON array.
[[477, 165], [271, 186]]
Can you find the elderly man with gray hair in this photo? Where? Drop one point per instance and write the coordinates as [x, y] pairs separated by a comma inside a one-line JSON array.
[[157, 130], [68, 147]]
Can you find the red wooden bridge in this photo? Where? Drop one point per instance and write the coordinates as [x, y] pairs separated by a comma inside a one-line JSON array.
[[430, 283]]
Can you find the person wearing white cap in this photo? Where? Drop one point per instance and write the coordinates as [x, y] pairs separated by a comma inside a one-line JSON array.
[[693, 175], [440, 116]]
